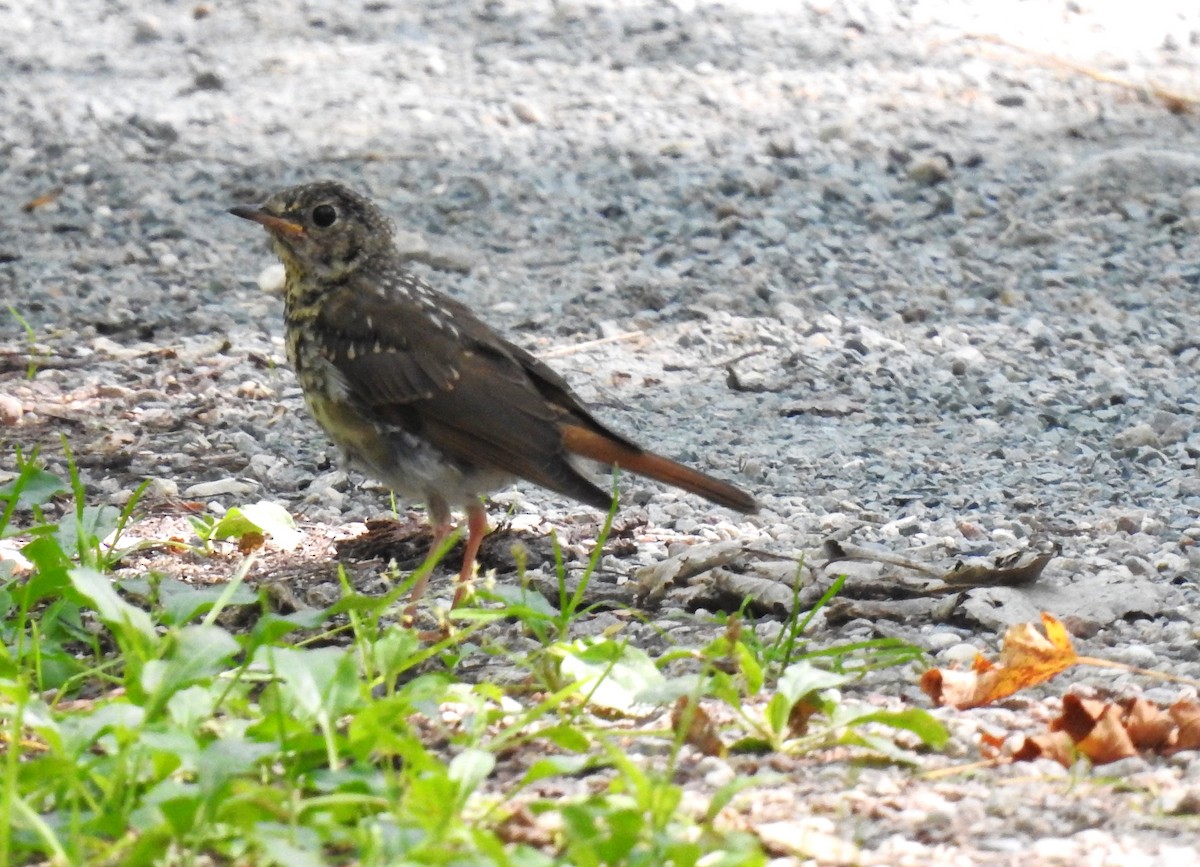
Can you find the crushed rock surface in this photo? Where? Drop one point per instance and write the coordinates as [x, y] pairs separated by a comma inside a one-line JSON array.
[[904, 270]]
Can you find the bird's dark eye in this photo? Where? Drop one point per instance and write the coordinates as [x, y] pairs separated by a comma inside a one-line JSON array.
[[324, 216]]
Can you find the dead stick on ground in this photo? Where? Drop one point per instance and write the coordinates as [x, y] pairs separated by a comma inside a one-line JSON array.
[[1176, 103]]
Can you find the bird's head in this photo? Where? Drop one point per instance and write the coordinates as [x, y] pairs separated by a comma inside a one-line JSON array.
[[321, 230]]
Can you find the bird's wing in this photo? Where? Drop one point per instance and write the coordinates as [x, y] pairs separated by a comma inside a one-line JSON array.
[[426, 363], [386, 342]]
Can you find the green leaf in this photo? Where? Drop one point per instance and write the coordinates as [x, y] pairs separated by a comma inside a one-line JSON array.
[[614, 674], [182, 602], [117, 614], [777, 712], [33, 487], [554, 766], [382, 729], [921, 723], [568, 737], [228, 758], [190, 707], [80, 731], [181, 811], [523, 601], [320, 683], [288, 845], [199, 652], [470, 768], [394, 651], [800, 678], [751, 669], [270, 519], [271, 627], [669, 690], [84, 532]]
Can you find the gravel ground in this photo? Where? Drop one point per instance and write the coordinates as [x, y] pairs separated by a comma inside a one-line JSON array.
[[905, 270]]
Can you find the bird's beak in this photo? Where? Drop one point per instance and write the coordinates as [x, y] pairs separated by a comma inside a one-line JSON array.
[[272, 222]]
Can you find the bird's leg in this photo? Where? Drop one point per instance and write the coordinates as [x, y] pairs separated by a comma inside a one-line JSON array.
[[477, 528], [443, 524]]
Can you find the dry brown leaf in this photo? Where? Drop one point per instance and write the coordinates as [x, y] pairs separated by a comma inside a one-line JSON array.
[[990, 745], [250, 542], [42, 200], [522, 826], [1107, 731], [1026, 659], [1149, 727], [1096, 728], [1013, 570], [1186, 715], [802, 711], [1056, 746], [701, 731]]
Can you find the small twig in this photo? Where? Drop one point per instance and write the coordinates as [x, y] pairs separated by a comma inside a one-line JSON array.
[[589, 344], [1175, 102], [836, 551]]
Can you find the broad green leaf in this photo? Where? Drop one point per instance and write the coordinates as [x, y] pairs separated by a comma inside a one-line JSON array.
[[227, 758], [37, 487], [568, 737], [199, 652], [182, 602], [270, 519], [554, 766], [319, 683], [614, 674], [801, 678], [470, 768], [921, 723], [116, 613], [669, 689]]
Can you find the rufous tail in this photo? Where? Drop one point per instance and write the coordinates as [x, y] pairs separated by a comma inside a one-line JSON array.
[[597, 447]]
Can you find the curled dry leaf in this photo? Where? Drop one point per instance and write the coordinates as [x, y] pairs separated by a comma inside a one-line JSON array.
[[1015, 569], [1109, 731], [1186, 715], [701, 731], [1027, 658], [1096, 728], [1056, 746], [802, 711], [1148, 726], [247, 543], [654, 580]]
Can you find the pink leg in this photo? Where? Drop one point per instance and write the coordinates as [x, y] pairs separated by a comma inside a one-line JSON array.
[[477, 528], [439, 515]]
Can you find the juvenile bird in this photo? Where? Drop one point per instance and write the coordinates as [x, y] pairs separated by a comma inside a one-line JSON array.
[[419, 393]]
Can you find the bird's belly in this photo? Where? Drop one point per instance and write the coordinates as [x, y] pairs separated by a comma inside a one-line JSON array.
[[403, 461]]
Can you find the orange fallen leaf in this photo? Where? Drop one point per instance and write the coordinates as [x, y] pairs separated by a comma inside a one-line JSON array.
[[1186, 715], [1097, 729], [1108, 731], [990, 745], [250, 542], [1027, 658], [1149, 727], [1056, 746]]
